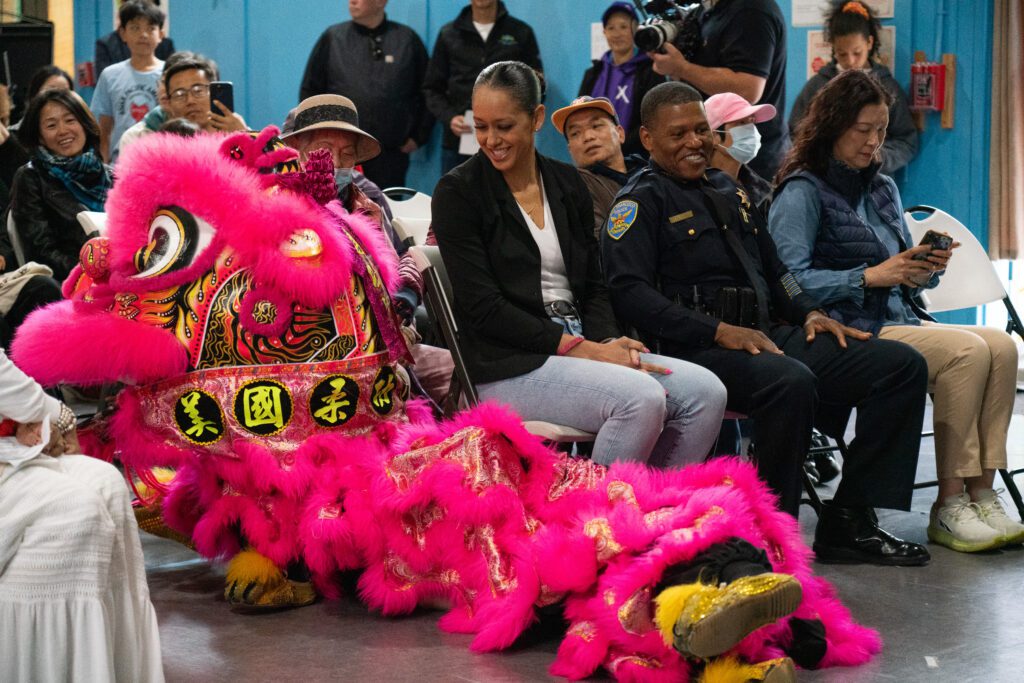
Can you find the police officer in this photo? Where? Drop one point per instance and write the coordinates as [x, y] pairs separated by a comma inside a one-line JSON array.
[[690, 264]]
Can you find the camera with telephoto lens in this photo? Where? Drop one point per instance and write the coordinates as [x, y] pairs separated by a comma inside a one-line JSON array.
[[667, 22]]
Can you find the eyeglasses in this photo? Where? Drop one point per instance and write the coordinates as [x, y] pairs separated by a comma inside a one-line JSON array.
[[198, 91], [376, 48]]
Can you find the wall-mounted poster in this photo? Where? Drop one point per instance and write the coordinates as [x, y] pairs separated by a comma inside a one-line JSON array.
[[812, 12], [819, 51], [598, 43]]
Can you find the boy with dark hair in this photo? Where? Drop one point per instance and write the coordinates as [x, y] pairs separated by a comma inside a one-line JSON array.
[[127, 91], [111, 49]]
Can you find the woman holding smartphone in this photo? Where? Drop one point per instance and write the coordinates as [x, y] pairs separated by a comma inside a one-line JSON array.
[[838, 224], [516, 231]]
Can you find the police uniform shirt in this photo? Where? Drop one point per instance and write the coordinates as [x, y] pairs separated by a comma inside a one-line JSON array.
[[662, 245]]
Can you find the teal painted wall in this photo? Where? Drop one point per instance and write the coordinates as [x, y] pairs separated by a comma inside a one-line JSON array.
[[262, 46]]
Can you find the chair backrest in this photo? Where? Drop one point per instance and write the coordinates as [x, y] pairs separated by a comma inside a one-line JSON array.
[[408, 203], [411, 230], [971, 279], [12, 232], [92, 221], [438, 295]]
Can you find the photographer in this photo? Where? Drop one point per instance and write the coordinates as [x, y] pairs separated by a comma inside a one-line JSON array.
[[742, 49]]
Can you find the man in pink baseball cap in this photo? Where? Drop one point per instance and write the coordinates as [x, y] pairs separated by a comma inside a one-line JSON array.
[[737, 141]]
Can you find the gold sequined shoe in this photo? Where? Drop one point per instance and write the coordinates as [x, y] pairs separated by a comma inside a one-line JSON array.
[[705, 621], [731, 670], [255, 584]]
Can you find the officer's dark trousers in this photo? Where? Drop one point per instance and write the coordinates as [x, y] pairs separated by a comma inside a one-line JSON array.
[[817, 383]]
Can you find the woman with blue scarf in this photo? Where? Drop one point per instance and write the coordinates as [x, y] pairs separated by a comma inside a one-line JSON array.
[[64, 177]]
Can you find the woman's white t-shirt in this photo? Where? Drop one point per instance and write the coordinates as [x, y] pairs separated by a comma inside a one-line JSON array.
[[554, 282]]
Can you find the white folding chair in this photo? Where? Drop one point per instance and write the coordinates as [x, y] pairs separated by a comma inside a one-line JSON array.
[[411, 231], [12, 233], [92, 221], [437, 293], [970, 280], [410, 210]]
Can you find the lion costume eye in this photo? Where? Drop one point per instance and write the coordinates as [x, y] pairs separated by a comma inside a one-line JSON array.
[[175, 237]]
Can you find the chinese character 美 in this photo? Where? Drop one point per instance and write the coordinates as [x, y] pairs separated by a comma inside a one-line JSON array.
[[199, 424]]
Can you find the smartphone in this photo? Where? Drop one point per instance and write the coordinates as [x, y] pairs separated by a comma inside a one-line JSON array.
[[223, 92], [936, 240]]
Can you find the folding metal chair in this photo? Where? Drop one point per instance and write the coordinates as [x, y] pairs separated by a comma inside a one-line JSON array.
[[970, 281], [437, 296]]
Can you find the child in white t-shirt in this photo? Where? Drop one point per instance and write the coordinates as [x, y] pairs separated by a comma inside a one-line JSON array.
[[126, 91]]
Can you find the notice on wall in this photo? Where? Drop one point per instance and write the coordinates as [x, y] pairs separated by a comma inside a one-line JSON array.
[[819, 51], [468, 144], [598, 43], [812, 12]]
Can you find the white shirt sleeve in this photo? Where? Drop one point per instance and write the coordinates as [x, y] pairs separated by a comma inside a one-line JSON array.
[[21, 398]]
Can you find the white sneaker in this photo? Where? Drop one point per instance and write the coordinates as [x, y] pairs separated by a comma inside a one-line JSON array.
[[991, 511], [958, 525]]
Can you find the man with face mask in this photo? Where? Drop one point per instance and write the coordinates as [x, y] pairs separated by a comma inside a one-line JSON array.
[[692, 267], [332, 122], [737, 142]]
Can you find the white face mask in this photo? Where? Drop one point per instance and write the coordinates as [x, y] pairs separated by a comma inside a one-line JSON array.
[[746, 142]]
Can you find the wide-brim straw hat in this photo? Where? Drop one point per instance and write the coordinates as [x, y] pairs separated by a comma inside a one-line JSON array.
[[332, 112]]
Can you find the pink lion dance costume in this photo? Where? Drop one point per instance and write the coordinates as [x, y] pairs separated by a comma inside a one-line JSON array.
[[249, 316]]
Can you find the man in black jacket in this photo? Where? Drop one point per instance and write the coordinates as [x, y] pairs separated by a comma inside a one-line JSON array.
[[482, 34], [378, 64]]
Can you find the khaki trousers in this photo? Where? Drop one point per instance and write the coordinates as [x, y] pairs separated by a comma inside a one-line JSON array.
[[972, 374]]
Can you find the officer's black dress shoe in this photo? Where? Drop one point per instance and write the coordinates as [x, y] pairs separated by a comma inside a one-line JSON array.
[[852, 536]]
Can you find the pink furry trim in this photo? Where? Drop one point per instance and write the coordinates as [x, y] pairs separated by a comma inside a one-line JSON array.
[[581, 652], [136, 447], [371, 236], [849, 643], [282, 307], [76, 342], [250, 151], [166, 170], [75, 283], [316, 178]]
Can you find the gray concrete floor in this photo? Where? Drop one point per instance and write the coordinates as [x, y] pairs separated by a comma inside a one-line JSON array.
[[958, 619]]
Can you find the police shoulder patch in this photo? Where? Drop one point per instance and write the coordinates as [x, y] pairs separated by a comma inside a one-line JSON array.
[[621, 218]]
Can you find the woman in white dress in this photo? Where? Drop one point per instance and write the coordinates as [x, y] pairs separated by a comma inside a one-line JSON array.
[[74, 603]]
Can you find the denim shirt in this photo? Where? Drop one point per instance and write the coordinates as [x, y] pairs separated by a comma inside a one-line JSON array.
[[794, 221]]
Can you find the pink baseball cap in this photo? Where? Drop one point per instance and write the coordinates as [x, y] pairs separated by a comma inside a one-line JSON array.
[[728, 106]]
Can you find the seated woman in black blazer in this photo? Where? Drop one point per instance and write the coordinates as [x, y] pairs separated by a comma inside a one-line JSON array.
[[516, 234]]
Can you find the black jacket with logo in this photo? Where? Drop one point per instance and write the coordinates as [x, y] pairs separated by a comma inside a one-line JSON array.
[[460, 54]]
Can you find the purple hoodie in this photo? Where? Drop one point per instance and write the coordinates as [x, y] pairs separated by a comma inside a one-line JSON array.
[[616, 82]]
